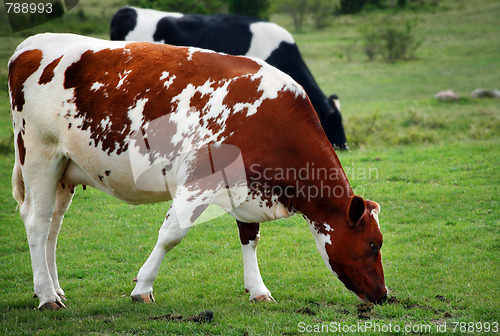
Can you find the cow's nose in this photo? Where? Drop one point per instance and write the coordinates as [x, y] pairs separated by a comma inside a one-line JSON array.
[[382, 299], [379, 295]]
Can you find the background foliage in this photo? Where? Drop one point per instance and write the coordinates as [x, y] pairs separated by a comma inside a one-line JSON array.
[[182, 6], [392, 38], [255, 8]]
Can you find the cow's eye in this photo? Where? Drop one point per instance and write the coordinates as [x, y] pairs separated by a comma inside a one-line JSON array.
[[374, 246]]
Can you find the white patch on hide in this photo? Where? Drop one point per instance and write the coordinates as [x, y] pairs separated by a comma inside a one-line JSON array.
[[135, 114], [147, 21], [164, 76], [375, 216], [266, 37], [123, 77], [96, 86], [375, 212], [321, 241], [192, 50]]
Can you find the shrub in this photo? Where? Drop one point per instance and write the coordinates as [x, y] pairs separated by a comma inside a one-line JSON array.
[[351, 6], [183, 6], [297, 9], [255, 8], [370, 39], [322, 11], [393, 39]]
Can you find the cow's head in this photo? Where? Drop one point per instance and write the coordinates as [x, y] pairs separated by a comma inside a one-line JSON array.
[[333, 124], [350, 245]]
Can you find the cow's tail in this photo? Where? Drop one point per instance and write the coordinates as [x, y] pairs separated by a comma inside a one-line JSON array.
[[18, 184]]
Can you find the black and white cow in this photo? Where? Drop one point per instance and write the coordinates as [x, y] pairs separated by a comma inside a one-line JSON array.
[[235, 35]]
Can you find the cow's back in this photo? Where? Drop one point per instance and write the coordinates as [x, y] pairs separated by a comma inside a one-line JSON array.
[[89, 99], [226, 33]]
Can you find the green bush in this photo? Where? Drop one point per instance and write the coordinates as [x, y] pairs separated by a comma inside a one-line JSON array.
[[371, 40], [357, 6], [392, 39], [183, 6], [351, 6], [322, 11], [255, 8], [297, 9]]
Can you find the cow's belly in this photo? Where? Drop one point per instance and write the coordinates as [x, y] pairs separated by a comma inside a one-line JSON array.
[[256, 210], [133, 180], [115, 179]]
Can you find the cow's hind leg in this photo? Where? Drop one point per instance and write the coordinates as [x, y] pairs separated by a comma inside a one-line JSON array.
[[171, 233], [41, 173], [249, 237], [63, 201]]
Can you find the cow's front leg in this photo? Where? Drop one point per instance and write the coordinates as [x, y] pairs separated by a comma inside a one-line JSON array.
[[249, 237], [170, 234]]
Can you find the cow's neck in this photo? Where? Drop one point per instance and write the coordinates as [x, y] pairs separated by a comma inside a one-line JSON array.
[[321, 187]]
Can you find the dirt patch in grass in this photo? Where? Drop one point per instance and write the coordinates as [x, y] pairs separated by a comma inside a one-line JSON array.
[[306, 311], [204, 316]]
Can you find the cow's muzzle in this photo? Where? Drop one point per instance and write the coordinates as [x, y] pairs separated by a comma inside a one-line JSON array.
[[379, 297]]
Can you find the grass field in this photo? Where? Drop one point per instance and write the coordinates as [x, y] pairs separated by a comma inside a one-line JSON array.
[[432, 166]]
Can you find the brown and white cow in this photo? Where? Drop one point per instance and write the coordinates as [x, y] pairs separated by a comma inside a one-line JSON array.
[[132, 118]]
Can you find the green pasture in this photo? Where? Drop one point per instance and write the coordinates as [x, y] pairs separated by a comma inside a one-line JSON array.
[[432, 166]]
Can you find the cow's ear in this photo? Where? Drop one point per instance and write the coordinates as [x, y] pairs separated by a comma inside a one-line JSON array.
[[334, 100], [356, 210]]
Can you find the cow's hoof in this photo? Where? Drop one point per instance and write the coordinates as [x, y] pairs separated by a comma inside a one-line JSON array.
[[61, 295], [264, 298], [146, 298], [52, 306]]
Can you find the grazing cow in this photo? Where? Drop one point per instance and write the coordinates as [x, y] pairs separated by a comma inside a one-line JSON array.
[[234, 35], [126, 117]]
